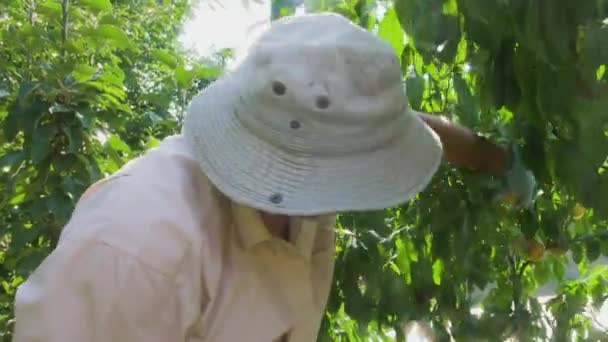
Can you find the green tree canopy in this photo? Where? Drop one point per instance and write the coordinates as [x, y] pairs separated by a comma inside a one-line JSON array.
[[84, 86], [531, 73]]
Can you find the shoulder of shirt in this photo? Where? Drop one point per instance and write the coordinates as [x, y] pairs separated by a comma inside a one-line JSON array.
[[153, 208]]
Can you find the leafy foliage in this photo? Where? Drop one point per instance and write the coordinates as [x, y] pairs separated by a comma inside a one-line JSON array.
[[86, 85], [529, 72]]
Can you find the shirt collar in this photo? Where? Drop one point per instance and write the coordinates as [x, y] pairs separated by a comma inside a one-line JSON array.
[[249, 225], [302, 230]]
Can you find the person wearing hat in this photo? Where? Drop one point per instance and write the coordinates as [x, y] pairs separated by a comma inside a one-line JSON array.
[[225, 232]]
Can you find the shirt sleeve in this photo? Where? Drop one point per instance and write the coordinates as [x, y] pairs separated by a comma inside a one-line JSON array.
[[95, 292]]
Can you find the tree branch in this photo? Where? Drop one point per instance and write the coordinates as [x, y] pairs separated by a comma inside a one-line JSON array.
[[64, 26]]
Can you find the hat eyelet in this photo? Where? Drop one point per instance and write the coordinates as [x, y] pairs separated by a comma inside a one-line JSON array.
[[279, 88], [276, 198], [322, 102], [294, 124]]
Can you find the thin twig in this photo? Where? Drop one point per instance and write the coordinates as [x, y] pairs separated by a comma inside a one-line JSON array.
[[64, 32], [30, 18], [523, 267]]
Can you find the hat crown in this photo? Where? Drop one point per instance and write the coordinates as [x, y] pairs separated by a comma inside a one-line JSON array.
[[313, 120], [319, 84]]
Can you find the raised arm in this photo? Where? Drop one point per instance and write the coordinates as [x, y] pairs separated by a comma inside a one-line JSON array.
[[464, 148]]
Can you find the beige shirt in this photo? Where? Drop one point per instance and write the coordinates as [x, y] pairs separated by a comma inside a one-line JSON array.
[[155, 253]]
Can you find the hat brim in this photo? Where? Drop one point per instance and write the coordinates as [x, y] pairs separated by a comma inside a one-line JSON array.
[[254, 173]]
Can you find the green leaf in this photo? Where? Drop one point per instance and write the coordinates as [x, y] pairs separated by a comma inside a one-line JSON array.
[[11, 122], [30, 262], [281, 8], [415, 90], [152, 143], [577, 254], [480, 10], [450, 7], [534, 39], [41, 143], [118, 144], [595, 46], [184, 76], [482, 22], [528, 224], [210, 72], [166, 57], [22, 113], [86, 117], [50, 8], [468, 114], [403, 261], [74, 135], [65, 162], [600, 72], [590, 133], [390, 30], [83, 72], [558, 270], [448, 38], [61, 206], [12, 158], [114, 35], [25, 90], [593, 250], [461, 54], [97, 5], [113, 75], [558, 30], [21, 237], [17, 199], [437, 270], [556, 90], [542, 273], [577, 173]]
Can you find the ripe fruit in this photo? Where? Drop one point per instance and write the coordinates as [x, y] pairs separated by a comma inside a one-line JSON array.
[[578, 212], [536, 250], [529, 248]]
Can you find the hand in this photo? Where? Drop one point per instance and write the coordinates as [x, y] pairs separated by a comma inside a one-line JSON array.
[[519, 182], [463, 147]]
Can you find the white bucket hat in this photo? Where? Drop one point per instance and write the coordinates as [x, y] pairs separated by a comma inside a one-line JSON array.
[[314, 120]]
